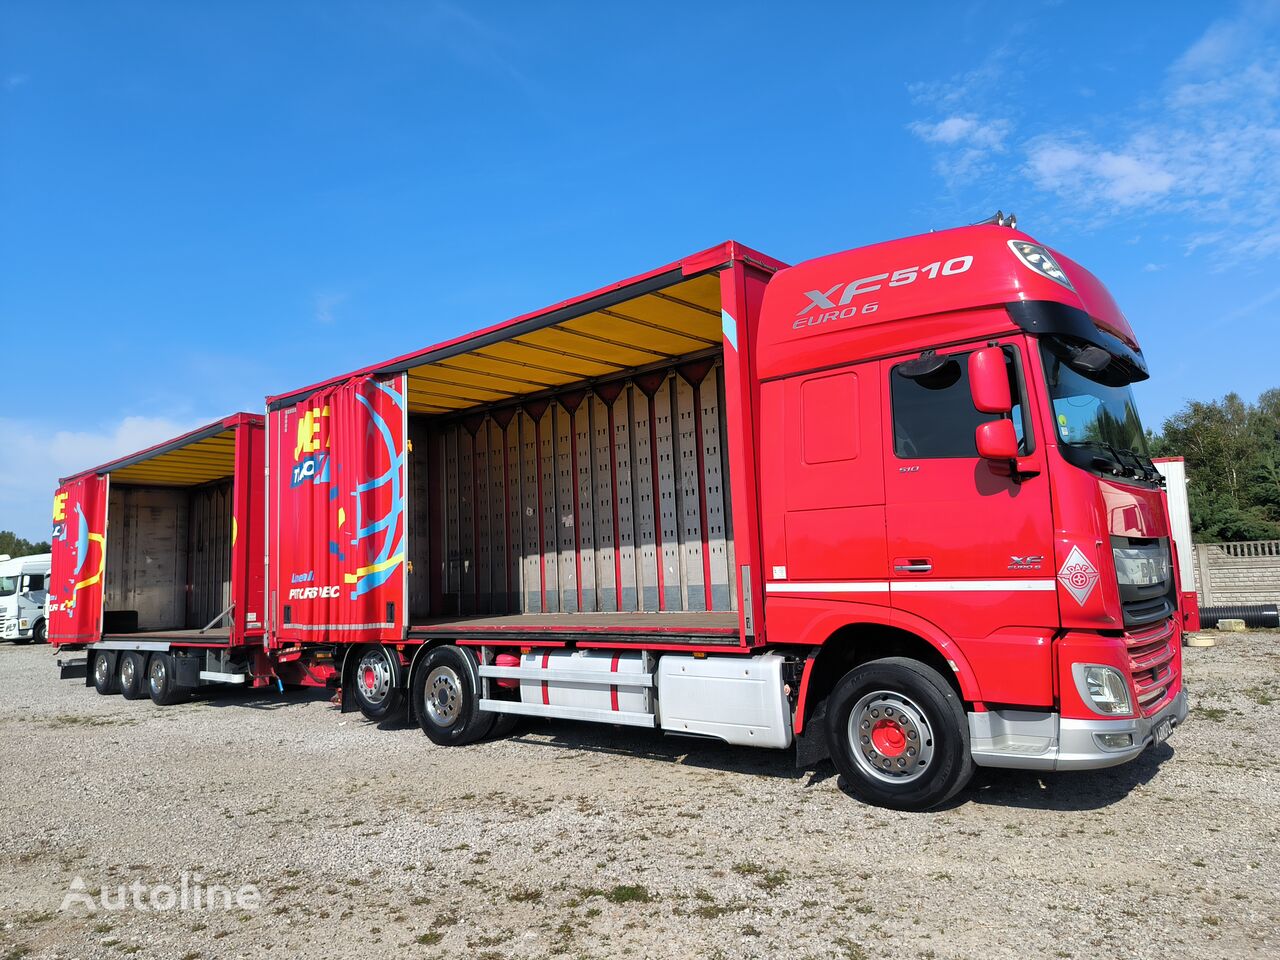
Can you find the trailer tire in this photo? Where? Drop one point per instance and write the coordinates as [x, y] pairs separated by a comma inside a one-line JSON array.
[[132, 670], [377, 684], [899, 735], [446, 698], [162, 680], [105, 680]]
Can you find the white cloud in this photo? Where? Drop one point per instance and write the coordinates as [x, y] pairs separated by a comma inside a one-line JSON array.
[[963, 129], [35, 456], [1153, 267], [1089, 172]]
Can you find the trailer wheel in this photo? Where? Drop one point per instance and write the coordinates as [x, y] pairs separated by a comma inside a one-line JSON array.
[[132, 672], [376, 684], [446, 700], [162, 680], [105, 680], [899, 735]]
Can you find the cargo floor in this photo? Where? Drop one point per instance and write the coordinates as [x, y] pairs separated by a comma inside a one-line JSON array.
[[221, 635], [708, 628]]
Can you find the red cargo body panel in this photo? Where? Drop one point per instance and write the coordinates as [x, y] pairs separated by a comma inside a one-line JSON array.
[[74, 609], [338, 535], [592, 460], [164, 542], [248, 533]]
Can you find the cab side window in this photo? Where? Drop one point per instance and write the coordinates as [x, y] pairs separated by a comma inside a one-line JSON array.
[[933, 412]]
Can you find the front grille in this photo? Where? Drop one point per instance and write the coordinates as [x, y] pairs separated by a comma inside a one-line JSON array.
[[1153, 666], [1144, 574], [1139, 612]]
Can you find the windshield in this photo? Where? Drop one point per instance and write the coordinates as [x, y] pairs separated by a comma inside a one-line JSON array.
[[1092, 408], [8, 586]]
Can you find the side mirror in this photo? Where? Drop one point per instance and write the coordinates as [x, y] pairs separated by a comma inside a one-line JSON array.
[[989, 381], [997, 440]]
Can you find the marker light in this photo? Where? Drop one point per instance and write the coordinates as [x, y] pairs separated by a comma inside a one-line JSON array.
[[1041, 261]]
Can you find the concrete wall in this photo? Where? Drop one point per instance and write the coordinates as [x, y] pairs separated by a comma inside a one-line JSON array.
[[1238, 572]]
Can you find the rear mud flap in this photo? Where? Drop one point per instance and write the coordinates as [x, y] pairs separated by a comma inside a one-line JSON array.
[[73, 669], [188, 670], [811, 745]]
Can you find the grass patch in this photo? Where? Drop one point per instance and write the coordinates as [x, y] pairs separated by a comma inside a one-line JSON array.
[[430, 939], [626, 893], [1216, 714], [766, 879]]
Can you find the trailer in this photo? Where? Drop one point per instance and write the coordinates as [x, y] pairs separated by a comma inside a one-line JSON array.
[[1174, 471], [893, 506], [157, 573]]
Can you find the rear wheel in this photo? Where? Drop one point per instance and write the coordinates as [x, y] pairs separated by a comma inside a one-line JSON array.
[[105, 680], [162, 680], [446, 700], [898, 733], [132, 671], [376, 684]]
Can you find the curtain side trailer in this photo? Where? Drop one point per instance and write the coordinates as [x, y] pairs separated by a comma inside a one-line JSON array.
[[157, 574]]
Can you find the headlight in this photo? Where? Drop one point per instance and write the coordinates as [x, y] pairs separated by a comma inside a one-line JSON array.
[[1105, 689], [1041, 261], [23, 624]]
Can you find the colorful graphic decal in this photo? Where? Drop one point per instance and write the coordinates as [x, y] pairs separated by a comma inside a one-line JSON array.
[[79, 559], [390, 524], [341, 506]]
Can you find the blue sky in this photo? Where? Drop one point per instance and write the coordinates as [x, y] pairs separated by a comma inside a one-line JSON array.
[[201, 204]]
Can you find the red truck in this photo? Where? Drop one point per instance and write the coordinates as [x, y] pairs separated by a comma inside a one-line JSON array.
[[892, 505]]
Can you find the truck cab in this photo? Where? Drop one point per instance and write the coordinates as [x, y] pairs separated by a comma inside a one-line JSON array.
[[24, 591], [954, 471]]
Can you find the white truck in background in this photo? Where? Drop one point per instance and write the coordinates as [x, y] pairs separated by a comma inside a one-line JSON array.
[[24, 590]]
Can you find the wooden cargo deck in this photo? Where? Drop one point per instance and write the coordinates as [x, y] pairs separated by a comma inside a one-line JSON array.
[[691, 628]]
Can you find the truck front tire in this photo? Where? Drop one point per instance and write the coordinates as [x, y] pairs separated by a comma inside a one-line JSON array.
[[446, 698], [898, 734]]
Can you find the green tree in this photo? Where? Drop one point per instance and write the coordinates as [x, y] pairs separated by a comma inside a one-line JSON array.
[[15, 546], [1232, 449]]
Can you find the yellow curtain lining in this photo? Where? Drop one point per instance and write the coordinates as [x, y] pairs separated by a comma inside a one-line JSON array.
[[664, 325], [201, 462]]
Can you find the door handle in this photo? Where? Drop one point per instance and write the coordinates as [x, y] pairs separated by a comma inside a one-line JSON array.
[[913, 567]]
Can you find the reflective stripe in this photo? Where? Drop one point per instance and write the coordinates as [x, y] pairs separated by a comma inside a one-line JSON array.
[[914, 586], [846, 586], [973, 586]]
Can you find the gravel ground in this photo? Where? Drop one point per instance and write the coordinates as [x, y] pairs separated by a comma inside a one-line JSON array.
[[579, 841]]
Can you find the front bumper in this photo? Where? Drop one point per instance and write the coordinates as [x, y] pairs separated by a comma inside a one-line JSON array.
[[1034, 740], [11, 630]]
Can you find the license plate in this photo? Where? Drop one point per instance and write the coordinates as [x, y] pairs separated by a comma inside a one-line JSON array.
[[1162, 731]]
